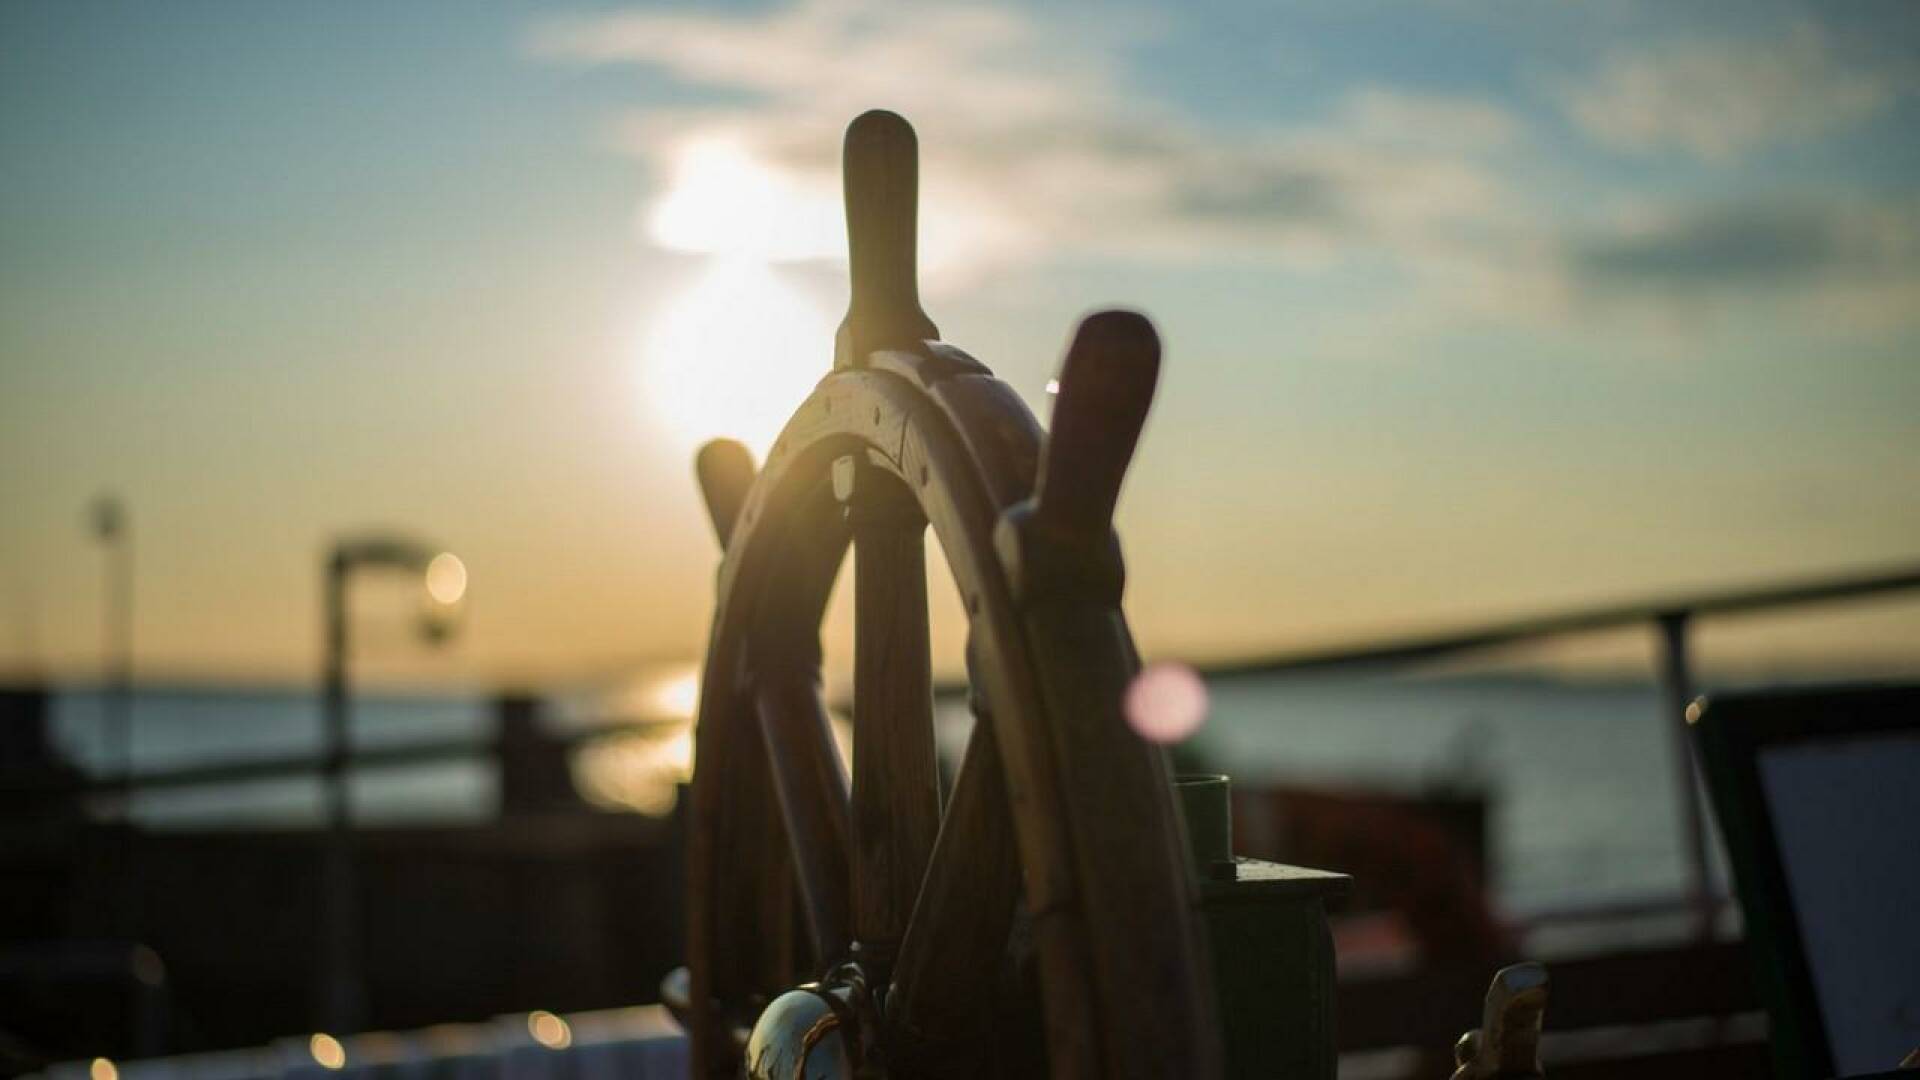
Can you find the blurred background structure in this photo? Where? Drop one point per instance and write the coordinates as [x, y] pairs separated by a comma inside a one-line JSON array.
[[1491, 318]]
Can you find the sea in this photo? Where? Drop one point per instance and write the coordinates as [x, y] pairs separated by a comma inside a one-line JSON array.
[[1584, 782]]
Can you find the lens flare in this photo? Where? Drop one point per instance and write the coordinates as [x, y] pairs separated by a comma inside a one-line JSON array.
[[1166, 703]]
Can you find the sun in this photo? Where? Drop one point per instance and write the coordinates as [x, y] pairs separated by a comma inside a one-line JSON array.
[[722, 199], [740, 347], [734, 355]]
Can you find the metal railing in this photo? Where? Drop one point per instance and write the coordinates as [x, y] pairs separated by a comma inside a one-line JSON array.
[[1670, 616], [1414, 649]]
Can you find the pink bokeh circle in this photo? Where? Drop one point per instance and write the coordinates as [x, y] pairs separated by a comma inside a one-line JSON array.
[[1166, 702]]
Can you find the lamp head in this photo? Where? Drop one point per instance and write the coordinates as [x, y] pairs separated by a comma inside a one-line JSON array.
[[445, 579], [442, 575]]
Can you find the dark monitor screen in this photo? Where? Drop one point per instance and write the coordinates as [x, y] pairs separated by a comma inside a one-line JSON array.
[[1818, 797]]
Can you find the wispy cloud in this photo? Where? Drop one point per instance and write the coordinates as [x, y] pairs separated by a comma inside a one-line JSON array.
[[1757, 243], [1037, 147], [1851, 267], [1719, 99]]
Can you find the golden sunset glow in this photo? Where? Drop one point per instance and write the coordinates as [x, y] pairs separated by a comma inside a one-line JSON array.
[[1119, 463], [625, 234]]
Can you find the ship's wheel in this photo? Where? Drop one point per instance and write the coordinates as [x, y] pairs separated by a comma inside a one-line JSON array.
[[1041, 921]]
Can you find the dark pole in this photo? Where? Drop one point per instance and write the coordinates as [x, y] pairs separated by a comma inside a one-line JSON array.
[[110, 525], [120, 626], [116, 631], [1676, 680], [340, 993]]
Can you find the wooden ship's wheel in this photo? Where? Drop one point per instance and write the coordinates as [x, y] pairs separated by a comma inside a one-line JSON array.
[[1042, 920]]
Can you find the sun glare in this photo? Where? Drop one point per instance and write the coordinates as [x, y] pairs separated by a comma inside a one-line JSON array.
[[738, 350], [734, 355], [721, 200]]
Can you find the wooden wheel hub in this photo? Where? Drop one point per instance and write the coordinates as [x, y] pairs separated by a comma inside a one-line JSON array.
[[1040, 919]]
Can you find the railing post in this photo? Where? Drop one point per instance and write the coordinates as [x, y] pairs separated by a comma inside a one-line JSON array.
[[1677, 685]]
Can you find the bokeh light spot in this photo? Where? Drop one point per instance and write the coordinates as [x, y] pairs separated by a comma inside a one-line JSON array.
[[102, 1069], [327, 1051], [446, 578], [1166, 703], [549, 1030]]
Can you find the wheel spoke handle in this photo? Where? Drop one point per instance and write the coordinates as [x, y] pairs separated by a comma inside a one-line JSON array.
[[725, 470], [881, 170], [1061, 543]]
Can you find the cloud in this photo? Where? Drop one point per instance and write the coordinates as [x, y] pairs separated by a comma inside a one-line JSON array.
[[1858, 262], [1035, 146], [1428, 120], [1750, 245], [1718, 100]]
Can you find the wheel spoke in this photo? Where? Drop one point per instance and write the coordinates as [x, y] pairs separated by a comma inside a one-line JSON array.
[[811, 786], [896, 788], [754, 942], [950, 959]]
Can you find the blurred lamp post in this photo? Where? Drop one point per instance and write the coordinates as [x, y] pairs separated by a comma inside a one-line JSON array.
[[443, 579], [107, 517]]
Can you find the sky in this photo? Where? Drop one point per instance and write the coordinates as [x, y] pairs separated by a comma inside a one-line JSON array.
[[1470, 310]]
